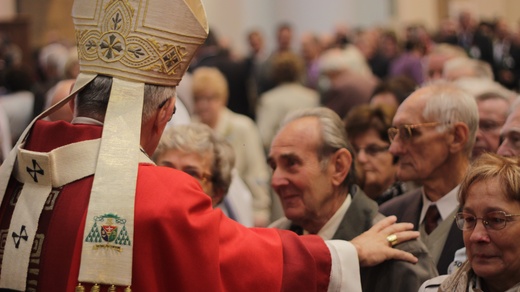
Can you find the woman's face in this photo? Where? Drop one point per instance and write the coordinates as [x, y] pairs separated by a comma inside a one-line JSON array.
[[207, 106], [494, 254], [195, 164], [374, 160]]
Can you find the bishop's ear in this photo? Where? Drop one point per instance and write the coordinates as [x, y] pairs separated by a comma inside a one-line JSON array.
[[166, 111]]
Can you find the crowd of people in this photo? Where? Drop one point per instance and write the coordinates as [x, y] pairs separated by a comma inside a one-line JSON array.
[[337, 141]]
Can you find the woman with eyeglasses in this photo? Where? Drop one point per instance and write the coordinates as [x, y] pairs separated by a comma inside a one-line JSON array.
[[206, 156], [490, 199], [367, 130]]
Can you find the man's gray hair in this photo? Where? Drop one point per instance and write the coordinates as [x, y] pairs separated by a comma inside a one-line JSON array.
[[201, 139], [478, 68], [92, 101], [333, 136], [449, 104], [494, 95]]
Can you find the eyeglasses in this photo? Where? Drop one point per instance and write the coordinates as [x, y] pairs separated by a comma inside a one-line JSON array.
[[406, 132], [201, 177], [495, 220], [373, 149], [163, 103]]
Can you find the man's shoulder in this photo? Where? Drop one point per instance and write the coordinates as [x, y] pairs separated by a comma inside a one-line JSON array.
[[415, 247], [419, 250], [390, 274], [400, 202]]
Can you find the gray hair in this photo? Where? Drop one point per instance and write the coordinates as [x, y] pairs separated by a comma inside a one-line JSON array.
[[92, 101], [478, 86], [494, 95], [449, 104], [348, 59], [479, 69], [333, 136], [201, 139]]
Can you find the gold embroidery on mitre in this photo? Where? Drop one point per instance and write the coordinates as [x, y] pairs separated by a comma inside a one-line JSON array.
[[113, 42], [171, 57]]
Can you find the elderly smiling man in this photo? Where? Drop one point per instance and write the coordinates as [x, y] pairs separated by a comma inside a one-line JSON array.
[[313, 174], [433, 135]]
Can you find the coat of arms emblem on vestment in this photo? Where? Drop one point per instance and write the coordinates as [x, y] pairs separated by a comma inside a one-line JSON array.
[[108, 232]]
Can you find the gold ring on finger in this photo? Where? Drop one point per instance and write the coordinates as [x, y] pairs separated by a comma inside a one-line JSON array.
[[392, 239]]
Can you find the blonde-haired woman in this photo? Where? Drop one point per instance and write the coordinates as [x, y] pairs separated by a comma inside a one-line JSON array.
[[490, 221], [210, 94]]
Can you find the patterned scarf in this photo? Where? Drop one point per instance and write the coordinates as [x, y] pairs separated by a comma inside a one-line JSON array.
[[460, 280], [465, 280]]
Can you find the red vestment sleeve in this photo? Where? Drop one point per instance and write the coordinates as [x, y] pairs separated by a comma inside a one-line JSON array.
[[298, 252]]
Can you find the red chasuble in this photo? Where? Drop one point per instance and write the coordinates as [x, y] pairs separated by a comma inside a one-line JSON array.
[[180, 242]]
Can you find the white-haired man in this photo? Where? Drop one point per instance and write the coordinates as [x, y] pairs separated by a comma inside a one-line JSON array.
[[433, 134], [344, 85]]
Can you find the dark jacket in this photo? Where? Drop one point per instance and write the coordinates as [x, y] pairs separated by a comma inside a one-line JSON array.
[[407, 208]]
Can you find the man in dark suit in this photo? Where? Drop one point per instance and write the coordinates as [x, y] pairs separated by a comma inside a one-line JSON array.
[[313, 175], [506, 56], [433, 136], [474, 41], [212, 54]]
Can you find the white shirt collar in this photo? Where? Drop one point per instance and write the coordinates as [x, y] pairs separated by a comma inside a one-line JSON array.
[[328, 230], [85, 120], [446, 204]]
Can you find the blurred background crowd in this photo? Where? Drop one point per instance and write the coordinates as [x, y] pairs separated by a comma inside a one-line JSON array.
[[361, 73]]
